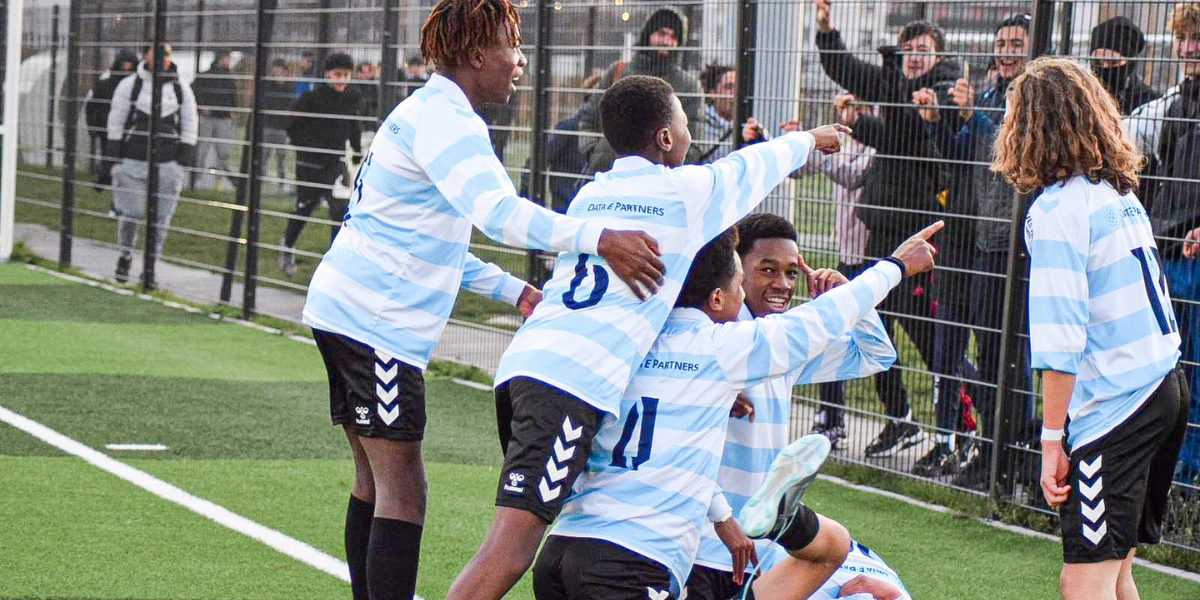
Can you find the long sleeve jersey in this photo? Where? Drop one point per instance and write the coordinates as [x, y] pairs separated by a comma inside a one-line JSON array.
[[1098, 302], [391, 278], [591, 331], [650, 479]]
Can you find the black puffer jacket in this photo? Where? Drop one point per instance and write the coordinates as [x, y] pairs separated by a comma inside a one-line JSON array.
[[329, 133], [901, 193]]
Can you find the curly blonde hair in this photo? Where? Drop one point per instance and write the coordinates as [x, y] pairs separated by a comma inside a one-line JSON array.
[[1185, 18], [1061, 122]]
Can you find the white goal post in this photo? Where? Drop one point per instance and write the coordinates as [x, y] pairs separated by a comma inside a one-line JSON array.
[[8, 127]]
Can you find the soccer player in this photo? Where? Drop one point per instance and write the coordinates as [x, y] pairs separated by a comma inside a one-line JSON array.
[[568, 366], [380, 298], [1101, 326], [632, 526], [862, 576]]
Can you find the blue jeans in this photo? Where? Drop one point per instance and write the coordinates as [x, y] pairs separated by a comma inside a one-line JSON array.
[[1183, 280]]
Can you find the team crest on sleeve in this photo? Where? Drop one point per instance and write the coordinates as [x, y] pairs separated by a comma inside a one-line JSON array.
[[1029, 226]]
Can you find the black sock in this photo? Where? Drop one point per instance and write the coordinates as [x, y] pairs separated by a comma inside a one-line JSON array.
[[392, 559], [358, 535]]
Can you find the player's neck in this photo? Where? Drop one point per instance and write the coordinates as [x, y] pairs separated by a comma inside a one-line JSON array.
[[465, 79]]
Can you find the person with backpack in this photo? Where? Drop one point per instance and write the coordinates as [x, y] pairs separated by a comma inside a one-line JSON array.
[[126, 159], [1165, 132], [95, 110]]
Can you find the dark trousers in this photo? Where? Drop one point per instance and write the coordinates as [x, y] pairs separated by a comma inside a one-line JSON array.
[[313, 175], [833, 394], [987, 315]]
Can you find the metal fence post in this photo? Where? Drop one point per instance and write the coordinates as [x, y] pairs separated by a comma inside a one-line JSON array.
[[149, 257], [388, 64], [534, 268], [747, 31], [265, 21], [1014, 297], [50, 119], [67, 217], [196, 67]]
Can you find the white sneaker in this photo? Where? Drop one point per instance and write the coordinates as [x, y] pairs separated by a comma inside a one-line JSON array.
[[771, 507]]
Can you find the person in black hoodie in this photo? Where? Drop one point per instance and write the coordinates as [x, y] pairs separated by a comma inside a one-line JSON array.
[[901, 191], [657, 55], [216, 93], [1113, 43], [328, 123], [99, 99], [276, 99]]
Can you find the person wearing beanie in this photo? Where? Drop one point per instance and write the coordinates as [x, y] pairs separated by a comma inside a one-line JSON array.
[[1113, 43], [329, 120]]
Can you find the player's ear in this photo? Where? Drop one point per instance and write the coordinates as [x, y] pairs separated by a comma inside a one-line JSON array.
[[477, 58], [717, 299], [664, 140]]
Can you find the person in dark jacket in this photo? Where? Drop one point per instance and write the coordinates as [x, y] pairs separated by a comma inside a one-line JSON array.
[[901, 192], [216, 93], [1167, 132], [276, 99], [965, 134], [1113, 43], [99, 99], [657, 55], [328, 123]]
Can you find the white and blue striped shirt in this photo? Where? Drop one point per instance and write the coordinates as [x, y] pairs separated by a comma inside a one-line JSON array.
[[750, 446], [590, 331], [861, 561], [391, 278], [650, 480], [1099, 307]]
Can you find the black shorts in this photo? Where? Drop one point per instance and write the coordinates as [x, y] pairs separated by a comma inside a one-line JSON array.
[[546, 435], [706, 583], [572, 568], [370, 393], [1120, 482]]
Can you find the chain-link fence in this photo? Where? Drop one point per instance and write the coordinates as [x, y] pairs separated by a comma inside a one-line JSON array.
[[961, 407]]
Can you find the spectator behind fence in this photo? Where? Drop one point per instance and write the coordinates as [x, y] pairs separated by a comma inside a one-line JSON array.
[[128, 136], [900, 192], [414, 75], [847, 171], [562, 156], [216, 93], [308, 74], [322, 132], [966, 136], [715, 130], [1165, 131], [99, 101], [367, 83], [276, 98], [1113, 43], [656, 55]]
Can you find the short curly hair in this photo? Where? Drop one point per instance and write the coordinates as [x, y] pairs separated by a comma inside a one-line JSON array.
[[633, 110], [1061, 123], [712, 268], [1185, 18], [456, 27]]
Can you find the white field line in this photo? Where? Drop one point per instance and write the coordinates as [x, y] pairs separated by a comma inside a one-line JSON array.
[[1180, 573], [137, 447], [218, 514], [479, 386]]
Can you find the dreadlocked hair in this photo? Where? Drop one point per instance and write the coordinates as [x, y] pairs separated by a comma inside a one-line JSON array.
[[1061, 123], [457, 27]]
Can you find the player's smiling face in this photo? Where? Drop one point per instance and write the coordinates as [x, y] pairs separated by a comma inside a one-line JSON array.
[[772, 268]]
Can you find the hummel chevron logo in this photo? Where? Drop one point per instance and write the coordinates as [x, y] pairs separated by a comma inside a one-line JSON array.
[[384, 356], [385, 395], [657, 594], [1089, 469], [1093, 514], [1095, 535], [569, 433], [388, 375], [388, 416], [554, 472], [1091, 491], [562, 454], [548, 493]]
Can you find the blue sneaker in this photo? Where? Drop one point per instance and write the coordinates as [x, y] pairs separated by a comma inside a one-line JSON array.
[[771, 507]]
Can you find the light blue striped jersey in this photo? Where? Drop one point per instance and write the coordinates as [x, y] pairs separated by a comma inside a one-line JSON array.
[[391, 277], [750, 446], [1098, 302], [651, 476], [861, 561], [590, 331]]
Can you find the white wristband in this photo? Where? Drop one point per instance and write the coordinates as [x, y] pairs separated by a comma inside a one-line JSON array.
[[1052, 435]]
